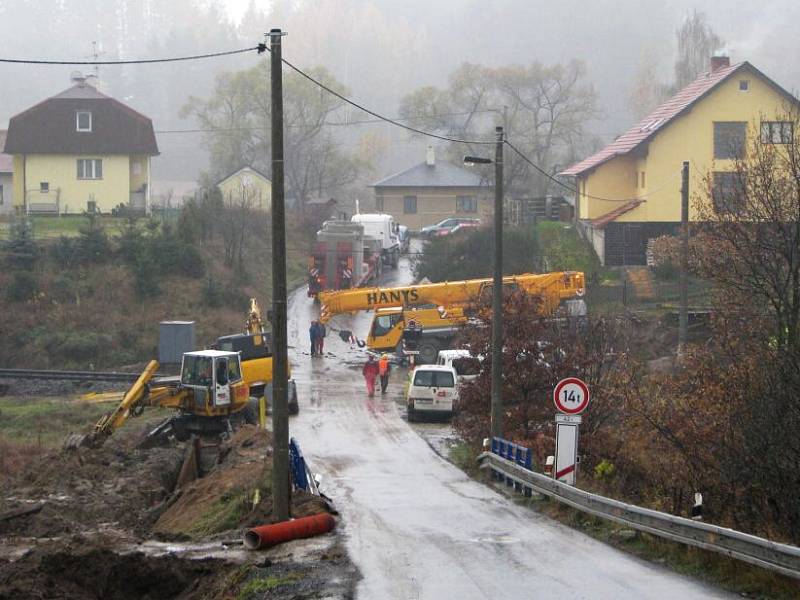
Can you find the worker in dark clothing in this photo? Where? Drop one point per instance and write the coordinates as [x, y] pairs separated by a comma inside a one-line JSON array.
[[320, 338], [313, 334]]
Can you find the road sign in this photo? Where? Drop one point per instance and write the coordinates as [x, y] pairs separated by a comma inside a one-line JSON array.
[[571, 396], [566, 452], [574, 419]]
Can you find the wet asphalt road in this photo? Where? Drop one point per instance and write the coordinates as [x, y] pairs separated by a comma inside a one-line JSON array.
[[415, 525]]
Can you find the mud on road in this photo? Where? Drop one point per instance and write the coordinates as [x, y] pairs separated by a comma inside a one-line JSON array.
[[113, 523]]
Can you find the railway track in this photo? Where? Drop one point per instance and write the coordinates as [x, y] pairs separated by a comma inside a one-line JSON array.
[[68, 375]]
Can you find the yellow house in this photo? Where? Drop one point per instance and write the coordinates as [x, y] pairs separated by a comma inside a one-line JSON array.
[[629, 192], [432, 191], [249, 186], [80, 151]]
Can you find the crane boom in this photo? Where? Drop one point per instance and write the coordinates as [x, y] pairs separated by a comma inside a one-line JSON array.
[[551, 287]]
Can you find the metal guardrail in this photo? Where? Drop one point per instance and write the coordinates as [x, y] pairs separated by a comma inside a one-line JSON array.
[[777, 557]]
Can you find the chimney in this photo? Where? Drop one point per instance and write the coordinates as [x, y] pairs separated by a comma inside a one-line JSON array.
[[430, 157], [719, 62]]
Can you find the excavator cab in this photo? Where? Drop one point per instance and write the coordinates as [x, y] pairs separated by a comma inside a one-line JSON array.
[[211, 374]]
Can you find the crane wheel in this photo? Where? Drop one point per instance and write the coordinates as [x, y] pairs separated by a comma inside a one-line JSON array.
[[428, 352]]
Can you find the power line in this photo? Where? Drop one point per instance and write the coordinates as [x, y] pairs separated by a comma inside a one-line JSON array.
[[140, 61], [325, 124], [263, 48]]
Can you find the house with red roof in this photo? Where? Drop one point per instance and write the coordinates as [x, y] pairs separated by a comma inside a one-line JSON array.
[[80, 150], [629, 192], [6, 178]]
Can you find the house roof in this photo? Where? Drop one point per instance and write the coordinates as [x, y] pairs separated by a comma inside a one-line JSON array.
[[664, 114], [6, 161], [239, 170], [440, 174], [603, 220], [50, 126]]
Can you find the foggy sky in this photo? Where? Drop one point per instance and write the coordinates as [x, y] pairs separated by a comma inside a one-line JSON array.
[[384, 49]]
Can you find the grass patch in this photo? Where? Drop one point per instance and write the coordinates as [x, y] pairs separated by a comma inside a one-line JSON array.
[[563, 249], [463, 456], [225, 514], [46, 421], [264, 584]]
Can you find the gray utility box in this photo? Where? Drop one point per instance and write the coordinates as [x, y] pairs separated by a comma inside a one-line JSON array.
[[174, 338]]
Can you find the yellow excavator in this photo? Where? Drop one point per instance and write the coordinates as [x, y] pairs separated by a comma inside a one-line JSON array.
[[255, 349], [210, 397], [424, 319]]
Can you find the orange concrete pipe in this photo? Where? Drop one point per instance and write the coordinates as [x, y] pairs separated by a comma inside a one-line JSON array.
[[271, 535]]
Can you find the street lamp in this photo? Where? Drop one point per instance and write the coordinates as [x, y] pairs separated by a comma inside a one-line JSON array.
[[497, 283]]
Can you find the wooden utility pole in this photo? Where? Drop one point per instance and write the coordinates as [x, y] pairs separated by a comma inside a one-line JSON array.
[[280, 358]]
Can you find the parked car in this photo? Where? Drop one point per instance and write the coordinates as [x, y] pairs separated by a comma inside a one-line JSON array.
[[431, 392], [447, 224], [460, 228], [467, 367]]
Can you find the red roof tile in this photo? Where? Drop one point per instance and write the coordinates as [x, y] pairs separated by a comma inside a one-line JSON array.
[[657, 119], [607, 218]]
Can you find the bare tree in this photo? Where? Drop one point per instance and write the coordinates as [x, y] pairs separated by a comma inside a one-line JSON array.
[[697, 42]]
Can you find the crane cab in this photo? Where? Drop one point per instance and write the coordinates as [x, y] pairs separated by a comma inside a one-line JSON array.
[[216, 378]]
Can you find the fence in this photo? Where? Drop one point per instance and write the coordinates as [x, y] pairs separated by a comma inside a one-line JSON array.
[[301, 474], [780, 558]]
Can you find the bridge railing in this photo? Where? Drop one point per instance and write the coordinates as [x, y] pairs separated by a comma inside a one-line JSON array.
[[777, 557]]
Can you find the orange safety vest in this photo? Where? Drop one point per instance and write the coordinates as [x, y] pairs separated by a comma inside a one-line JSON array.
[[383, 366]]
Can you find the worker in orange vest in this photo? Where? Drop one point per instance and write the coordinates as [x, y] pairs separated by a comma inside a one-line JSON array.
[[383, 370]]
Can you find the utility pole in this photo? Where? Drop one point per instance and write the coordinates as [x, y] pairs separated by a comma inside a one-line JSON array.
[[280, 359], [683, 316], [497, 292]]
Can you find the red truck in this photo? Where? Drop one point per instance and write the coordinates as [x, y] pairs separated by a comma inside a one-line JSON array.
[[343, 257]]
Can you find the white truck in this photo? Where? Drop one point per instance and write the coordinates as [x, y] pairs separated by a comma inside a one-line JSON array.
[[386, 230]]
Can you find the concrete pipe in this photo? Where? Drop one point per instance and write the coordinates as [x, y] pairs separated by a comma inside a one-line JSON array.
[[271, 535]]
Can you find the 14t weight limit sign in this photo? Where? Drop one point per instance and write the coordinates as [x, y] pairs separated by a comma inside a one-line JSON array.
[[571, 396]]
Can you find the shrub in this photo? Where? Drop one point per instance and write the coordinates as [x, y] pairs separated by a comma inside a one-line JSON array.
[[23, 287]]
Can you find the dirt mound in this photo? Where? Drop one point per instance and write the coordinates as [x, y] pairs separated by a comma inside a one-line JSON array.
[[224, 498], [84, 489], [74, 572]]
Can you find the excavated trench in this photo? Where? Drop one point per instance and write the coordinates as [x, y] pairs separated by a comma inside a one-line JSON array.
[[119, 523]]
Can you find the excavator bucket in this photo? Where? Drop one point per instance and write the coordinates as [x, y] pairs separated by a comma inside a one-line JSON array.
[[78, 440]]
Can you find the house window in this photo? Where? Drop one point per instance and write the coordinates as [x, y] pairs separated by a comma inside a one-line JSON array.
[[410, 205], [90, 168], [84, 120], [642, 180], [379, 204], [729, 139], [466, 204], [44, 187], [727, 193], [744, 85], [777, 132]]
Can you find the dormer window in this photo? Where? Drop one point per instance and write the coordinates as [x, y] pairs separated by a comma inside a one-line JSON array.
[[84, 120]]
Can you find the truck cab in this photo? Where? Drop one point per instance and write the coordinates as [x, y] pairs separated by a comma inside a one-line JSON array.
[[386, 230]]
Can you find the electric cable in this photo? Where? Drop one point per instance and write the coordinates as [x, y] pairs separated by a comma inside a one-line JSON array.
[[140, 61]]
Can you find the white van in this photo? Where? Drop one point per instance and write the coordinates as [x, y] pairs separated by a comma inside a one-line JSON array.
[[431, 391], [467, 367]]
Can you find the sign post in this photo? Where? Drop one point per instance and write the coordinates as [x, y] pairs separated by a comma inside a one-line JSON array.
[[571, 397]]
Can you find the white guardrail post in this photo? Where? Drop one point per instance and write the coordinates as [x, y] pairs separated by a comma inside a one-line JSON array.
[[777, 557]]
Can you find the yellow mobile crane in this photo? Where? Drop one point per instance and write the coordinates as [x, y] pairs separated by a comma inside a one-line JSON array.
[[427, 317], [209, 394]]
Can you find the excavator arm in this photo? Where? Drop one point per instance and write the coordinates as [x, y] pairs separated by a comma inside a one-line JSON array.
[[137, 396], [552, 287]]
